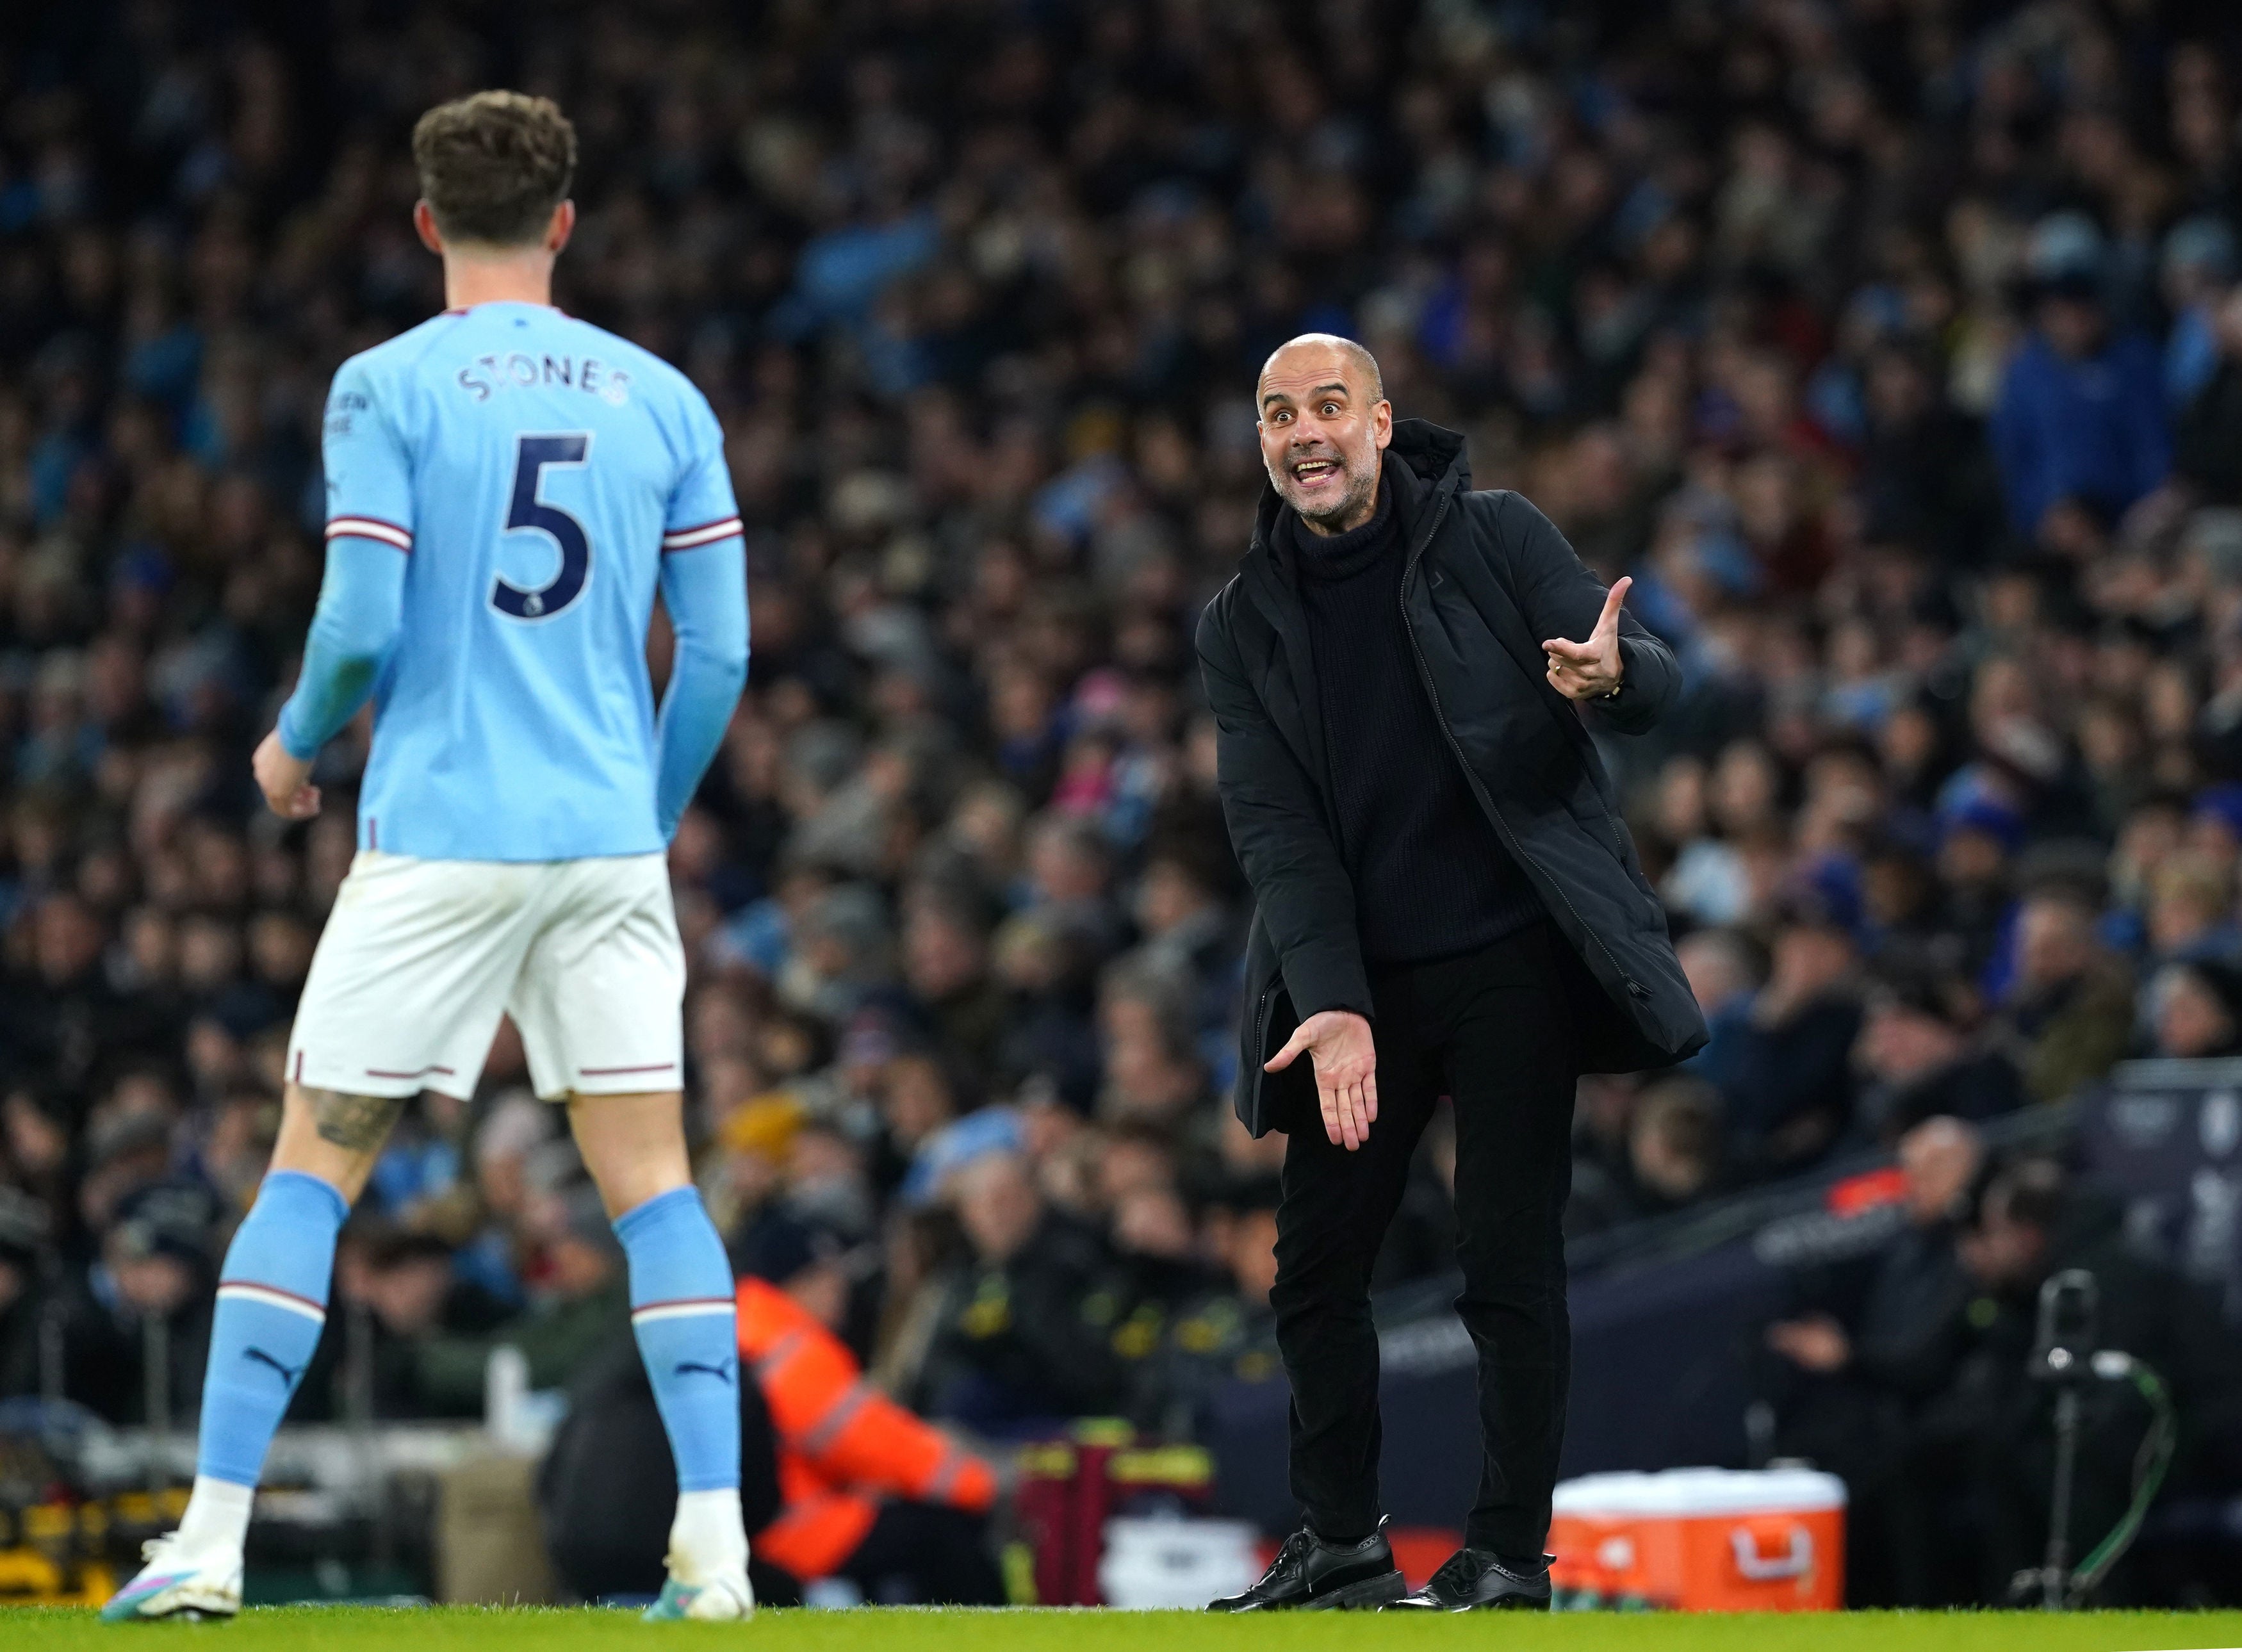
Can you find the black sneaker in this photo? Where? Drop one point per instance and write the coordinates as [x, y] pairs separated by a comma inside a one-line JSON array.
[[1310, 1575], [1473, 1579]]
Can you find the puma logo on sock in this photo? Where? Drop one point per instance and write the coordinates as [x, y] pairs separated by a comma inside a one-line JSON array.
[[288, 1373], [721, 1372]]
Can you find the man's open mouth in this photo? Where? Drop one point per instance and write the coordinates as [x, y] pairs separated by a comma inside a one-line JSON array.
[[1316, 473]]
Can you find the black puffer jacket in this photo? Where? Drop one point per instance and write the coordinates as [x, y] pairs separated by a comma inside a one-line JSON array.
[[1488, 578]]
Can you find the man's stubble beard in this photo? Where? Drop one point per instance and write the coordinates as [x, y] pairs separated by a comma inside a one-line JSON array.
[[1330, 521]]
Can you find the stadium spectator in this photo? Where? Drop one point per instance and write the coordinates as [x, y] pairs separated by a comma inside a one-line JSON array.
[[1919, 1060], [2195, 1009], [1222, 1330], [405, 1284], [2079, 425], [2070, 1013], [946, 967], [1859, 1385], [1024, 1335], [1674, 1146], [871, 1493], [2209, 421], [1723, 975], [580, 1304], [136, 1332], [1190, 936], [1789, 1082]]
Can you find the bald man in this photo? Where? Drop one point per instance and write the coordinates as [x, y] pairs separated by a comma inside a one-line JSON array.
[[1405, 675]]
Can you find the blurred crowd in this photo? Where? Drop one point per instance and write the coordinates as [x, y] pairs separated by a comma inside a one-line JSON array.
[[1893, 346]]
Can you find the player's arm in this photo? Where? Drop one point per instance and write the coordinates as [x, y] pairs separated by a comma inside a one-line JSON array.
[[361, 597], [361, 607], [704, 584]]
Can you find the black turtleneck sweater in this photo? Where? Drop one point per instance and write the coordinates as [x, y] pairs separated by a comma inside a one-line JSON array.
[[1431, 879]]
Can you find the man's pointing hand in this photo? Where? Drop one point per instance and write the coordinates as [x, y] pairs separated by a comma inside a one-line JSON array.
[[1590, 670], [1339, 1042]]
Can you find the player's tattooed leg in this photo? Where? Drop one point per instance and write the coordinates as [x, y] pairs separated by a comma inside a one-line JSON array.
[[359, 1123]]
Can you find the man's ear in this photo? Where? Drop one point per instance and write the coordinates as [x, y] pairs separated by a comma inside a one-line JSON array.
[[561, 227], [1382, 417], [424, 224]]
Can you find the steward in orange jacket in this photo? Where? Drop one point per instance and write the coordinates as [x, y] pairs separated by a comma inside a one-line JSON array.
[[843, 1447]]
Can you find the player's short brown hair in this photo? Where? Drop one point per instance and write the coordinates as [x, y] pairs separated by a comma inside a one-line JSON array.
[[493, 165]]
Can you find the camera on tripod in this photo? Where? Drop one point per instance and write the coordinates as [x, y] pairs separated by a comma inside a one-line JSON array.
[[2066, 1355], [2070, 1328]]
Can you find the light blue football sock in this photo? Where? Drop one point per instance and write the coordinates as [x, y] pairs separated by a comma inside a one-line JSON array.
[[272, 1306], [686, 1320]]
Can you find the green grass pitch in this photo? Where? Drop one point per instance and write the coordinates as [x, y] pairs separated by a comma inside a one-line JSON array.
[[471, 1630]]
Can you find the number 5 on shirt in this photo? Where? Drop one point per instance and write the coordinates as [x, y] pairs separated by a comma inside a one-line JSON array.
[[532, 455]]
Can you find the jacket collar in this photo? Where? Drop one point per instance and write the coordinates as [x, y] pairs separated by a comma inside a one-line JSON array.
[[1425, 464]]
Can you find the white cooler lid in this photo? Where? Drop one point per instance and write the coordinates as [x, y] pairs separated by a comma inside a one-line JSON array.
[[1701, 1491]]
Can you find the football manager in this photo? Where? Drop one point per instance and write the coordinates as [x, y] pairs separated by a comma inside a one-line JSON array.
[[1406, 675]]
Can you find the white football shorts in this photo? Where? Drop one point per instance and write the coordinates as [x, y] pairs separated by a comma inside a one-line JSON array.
[[421, 957]]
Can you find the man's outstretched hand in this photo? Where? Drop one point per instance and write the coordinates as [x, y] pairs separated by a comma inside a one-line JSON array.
[[1815, 1343], [285, 781], [1590, 670], [1339, 1042]]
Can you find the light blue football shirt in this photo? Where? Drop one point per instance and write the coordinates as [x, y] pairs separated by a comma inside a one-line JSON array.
[[533, 471]]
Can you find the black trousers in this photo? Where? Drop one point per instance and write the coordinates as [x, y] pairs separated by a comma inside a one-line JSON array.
[[1493, 1030]]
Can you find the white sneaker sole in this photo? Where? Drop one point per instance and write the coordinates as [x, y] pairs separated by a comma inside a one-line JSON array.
[[183, 1601]]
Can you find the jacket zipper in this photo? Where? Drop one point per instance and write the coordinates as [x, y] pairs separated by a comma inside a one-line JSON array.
[[1478, 790]]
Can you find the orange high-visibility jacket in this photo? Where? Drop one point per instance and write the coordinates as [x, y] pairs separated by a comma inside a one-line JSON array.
[[843, 1445]]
